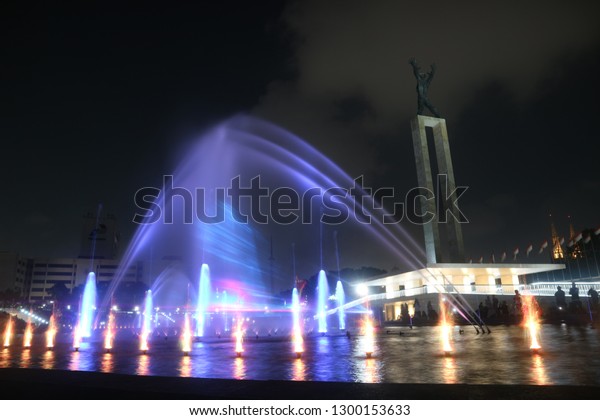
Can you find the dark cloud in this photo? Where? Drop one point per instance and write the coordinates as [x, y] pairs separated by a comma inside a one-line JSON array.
[[515, 83]]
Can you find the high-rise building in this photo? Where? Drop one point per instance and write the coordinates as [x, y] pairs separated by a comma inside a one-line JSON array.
[[72, 272], [15, 273]]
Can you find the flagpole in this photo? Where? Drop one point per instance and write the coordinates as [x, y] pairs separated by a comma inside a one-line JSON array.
[[595, 257], [587, 261]]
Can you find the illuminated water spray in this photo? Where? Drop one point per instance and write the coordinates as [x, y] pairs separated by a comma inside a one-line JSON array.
[[8, 332], [297, 328], [322, 296], [445, 328], [340, 297], [369, 337], [203, 300], [28, 336], [186, 335], [239, 337], [51, 332], [110, 332], [76, 337], [88, 305], [531, 321], [146, 322], [225, 311]]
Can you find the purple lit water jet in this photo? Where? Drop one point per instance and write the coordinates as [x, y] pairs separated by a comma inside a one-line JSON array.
[[246, 147], [88, 305], [296, 326], [340, 297], [146, 322], [203, 300]]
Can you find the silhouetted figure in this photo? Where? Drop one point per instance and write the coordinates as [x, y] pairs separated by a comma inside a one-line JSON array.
[[504, 309], [593, 294], [485, 309], [575, 302], [417, 306], [495, 307], [404, 311], [560, 298], [423, 81], [518, 303]]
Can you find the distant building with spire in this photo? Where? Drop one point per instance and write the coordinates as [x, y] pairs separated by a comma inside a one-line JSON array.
[[581, 257], [557, 251]]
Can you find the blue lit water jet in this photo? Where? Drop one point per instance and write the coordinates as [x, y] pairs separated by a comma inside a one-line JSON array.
[[147, 314], [225, 311], [322, 297], [339, 288], [246, 147], [146, 322], [340, 296], [203, 300], [88, 305]]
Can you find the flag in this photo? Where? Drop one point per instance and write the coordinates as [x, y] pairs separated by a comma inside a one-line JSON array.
[[503, 256], [529, 249], [570, 244], [544, 246], [587, 239], [562, 240], [578, 237], [515, 253]]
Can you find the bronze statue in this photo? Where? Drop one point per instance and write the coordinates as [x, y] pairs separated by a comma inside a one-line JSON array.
[[423, 81]]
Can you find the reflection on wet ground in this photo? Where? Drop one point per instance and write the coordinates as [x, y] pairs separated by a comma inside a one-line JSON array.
[[568, 356]]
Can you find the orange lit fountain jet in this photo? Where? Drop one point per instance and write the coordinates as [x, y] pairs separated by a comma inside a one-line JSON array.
[[369, 340], [239, 338], [445, 329], [297, 339], [144, 342], [8, 332], [28, 336], [76, 337], [531, 321], [51, 332], [298, 342], [109, 337], [186, 336]]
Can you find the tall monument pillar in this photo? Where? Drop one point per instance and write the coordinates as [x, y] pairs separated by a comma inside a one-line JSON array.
[[425, 178]]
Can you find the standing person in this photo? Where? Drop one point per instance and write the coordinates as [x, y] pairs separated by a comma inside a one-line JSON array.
[[575, 302], [593, 294], [518, 303], [560, 298]]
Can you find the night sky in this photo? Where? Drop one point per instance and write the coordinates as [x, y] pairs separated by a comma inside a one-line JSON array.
[[99, 100]]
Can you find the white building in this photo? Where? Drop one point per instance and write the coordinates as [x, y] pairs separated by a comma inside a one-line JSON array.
[[72, 272]]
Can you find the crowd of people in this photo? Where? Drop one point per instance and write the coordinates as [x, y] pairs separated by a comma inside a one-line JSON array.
[[491, 310], [575, 305]]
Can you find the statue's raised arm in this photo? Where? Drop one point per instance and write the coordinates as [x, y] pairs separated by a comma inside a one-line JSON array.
[[423, 81], [415, 67], [432, 72]]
